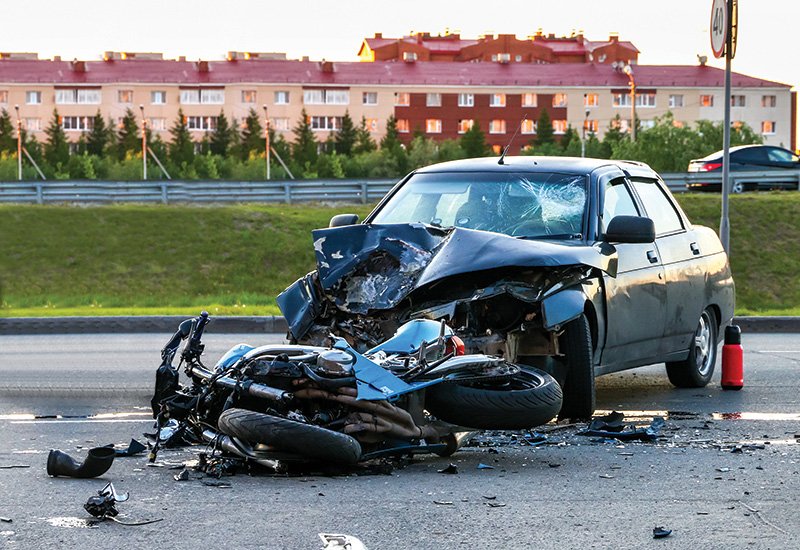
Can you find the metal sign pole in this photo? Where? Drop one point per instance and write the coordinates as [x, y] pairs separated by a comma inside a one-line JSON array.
[[724, 224]]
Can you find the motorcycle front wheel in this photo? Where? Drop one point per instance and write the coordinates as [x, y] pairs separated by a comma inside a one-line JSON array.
[[308, 440], [529, 399]]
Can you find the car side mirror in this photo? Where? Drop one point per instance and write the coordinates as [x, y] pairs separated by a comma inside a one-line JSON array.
[[343, 219], [630, 229]]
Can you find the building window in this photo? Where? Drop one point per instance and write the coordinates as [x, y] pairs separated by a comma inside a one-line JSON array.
[[560, 100], [737, 101], [281, 98], [675, 100], [768, 101], [645, 100], [464, 125], [323, 123], [158, 97], [3, 96], [249, 96], [528, 126], [124, 96], [77, 123], [497, 100], [403, 125], [497, 126], [402, 99], [33, 124], [201, 123], [326, 97], [369, 98], [433, 126], [33, 97], [280, 123], [157, 123], [433, 100], [706, 100], [529, 100], [768, 127], [591, 125], [466, 100], [591, 100], [203, 96], [559, 126], [372, 124], [647, 124], [79, 96], [621, 100]]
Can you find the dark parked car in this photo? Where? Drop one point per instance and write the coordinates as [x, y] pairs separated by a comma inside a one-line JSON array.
[[580, 267], [752, 158]]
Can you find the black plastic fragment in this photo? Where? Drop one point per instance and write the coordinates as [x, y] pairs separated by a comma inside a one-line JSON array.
[[612, 428], [97, 462], [660, 532], [134, 448], [451, 469], [183, 475], [104, 504]]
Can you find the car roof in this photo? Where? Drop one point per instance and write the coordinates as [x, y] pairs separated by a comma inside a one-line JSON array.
[[718, 154], [565, 165]]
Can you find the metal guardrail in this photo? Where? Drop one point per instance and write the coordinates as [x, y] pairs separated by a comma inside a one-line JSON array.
[[172, 191], [289, 191]]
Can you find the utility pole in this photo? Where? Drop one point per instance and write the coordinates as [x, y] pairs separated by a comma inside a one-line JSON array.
[[266, 139], [19, 144], [583, 135], [144, 143], [629, 71]]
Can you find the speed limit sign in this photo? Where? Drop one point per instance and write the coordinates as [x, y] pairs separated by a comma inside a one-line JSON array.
[[719, 27]]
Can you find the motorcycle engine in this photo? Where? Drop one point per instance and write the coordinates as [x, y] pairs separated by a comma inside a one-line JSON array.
[[335, 363]]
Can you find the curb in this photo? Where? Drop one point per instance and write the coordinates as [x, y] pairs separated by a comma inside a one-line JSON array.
[[167, 324]]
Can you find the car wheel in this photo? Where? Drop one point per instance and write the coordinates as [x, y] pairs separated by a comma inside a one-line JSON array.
[[579, 392], [737, 187], [696, 370]]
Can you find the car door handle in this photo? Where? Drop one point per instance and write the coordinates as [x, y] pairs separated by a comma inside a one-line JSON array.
[[652, 256], [695, 249]]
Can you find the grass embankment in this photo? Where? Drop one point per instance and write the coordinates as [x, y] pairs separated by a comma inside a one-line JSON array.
[[148, 259]]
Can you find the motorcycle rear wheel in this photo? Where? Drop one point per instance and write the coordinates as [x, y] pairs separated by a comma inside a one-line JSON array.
[[530, 399], [307, 440]]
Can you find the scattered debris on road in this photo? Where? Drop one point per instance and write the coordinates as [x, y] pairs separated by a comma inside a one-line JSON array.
[[660, 532], [451, 469], [341, 542], [134, 448], [103, 506], [97, 462]]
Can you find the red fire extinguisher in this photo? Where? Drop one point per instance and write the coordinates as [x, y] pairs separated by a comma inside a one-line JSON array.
[[732, 367]]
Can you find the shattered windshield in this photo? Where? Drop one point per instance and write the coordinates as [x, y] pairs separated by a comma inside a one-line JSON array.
[[525, 205]]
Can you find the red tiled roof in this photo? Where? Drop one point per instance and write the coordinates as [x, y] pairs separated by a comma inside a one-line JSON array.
[[375, 73]]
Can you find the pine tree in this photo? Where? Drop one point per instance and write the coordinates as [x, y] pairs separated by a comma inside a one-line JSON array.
[[181, 149], [570, 136], [279, 144], [346, 136], [473, 142], [8, 141], [304, 148], [56, 149], [129, 141], [252, 135], [364, 142], [391, 140], [222, 136], [544, 129], [97, 139]]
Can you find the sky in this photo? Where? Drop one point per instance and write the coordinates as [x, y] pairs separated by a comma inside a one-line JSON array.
[[665, 31]]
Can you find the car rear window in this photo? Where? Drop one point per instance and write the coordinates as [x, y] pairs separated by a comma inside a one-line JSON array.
[[546, 205]]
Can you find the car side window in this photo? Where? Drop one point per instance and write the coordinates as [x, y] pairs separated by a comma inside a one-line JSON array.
[[752, 155], [617, 201], [659, 208], [779, 155]]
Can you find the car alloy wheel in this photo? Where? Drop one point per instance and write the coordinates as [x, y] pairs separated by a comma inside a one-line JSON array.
[[697, 369], [703, 350]]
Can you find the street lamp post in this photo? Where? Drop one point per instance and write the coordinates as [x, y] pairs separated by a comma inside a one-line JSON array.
[[629, 71], [266, 138], [19, 144], [583, 135], [144, 143]]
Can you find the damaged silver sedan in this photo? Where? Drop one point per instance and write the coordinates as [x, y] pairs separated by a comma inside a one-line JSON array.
[[580, 267]]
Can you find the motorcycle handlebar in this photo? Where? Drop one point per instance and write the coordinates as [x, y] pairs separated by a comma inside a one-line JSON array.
[[251, 388]]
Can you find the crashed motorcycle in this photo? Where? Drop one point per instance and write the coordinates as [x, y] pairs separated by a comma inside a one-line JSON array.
[[416, 392]]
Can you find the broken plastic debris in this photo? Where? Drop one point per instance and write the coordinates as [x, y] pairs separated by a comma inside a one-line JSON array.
[[443, 502], [451, 469], [6, 520], [495, 504], [611, 427], [660, 532], [11, 466], [341, 542], [133, 448], [183, 475], [483, 466], [103, 505]]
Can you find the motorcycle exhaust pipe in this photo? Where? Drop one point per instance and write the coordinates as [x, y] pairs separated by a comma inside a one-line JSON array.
[[97, 462], [227, 444]]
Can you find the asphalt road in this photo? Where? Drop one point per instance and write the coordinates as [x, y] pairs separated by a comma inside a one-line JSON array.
[[570, 493]]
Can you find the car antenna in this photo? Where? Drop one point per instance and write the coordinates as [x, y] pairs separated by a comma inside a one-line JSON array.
[[505, 149]]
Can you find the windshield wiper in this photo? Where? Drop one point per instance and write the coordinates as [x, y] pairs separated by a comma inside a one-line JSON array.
[[559, 236]]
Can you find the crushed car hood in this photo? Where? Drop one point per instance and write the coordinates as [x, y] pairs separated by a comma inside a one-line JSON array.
[[373, 267]]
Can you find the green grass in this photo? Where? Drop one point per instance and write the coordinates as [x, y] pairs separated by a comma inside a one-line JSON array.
[[154, 259]]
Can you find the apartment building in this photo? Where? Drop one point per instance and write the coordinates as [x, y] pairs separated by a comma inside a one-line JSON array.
[[442, 100]]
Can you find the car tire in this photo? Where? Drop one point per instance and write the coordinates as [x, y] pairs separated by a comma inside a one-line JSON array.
[[579, 389], [697, 369], [737, 187]]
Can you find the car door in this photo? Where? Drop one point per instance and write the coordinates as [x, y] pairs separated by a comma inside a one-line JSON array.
[[750, 158], [635, 298], [683, 261]]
